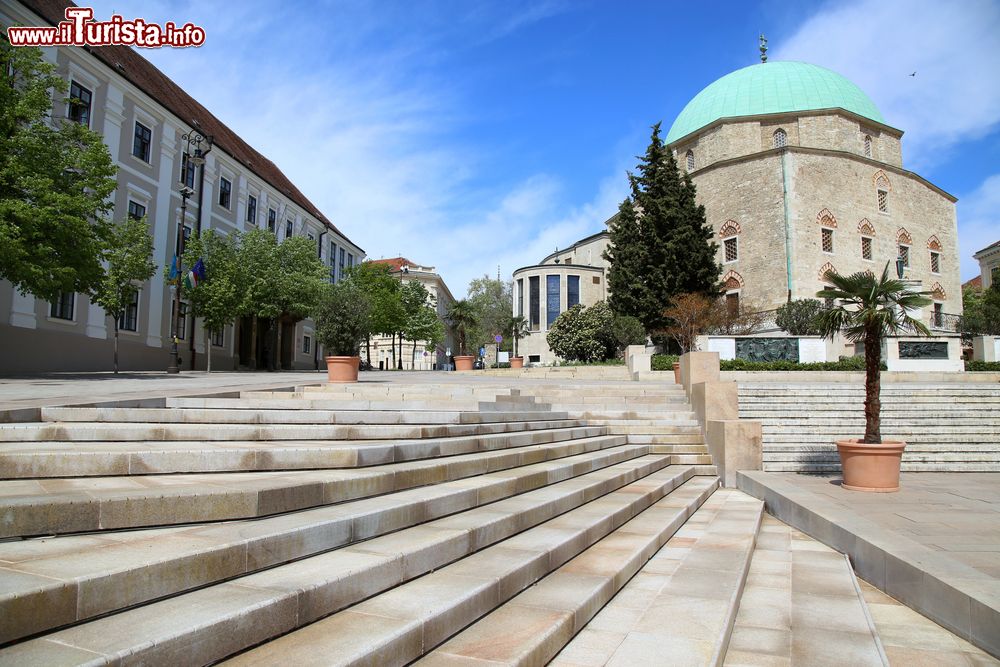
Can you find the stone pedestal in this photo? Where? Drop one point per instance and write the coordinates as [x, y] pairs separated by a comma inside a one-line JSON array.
[[699, 367], [984, 348], [735, 444]]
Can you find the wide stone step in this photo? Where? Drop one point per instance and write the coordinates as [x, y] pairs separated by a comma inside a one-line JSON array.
[[108, 503], [681, 607], [801, 603], [678, 418], [692, 437], [87, 432], [400, 625], [956, 437], [78, 577], [963, 417], [208, 624], [532, 627], [32, 459], [942, 424], [639, 429]]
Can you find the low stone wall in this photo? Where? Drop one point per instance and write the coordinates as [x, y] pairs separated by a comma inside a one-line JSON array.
[[858, 377]]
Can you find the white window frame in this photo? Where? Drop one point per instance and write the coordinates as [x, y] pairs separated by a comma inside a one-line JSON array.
[[689, 157], [138, 305], [878, 200], [872, 246], [909, 253], [63, 320]]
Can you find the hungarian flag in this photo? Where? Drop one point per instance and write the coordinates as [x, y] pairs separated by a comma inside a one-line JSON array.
[[196, 275]]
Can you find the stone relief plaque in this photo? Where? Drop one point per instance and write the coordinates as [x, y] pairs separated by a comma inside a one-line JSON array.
[[767, 349], [923, 350]]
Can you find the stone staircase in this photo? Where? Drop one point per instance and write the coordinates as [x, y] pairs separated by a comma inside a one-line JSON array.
[[950, 427], [378, 524]]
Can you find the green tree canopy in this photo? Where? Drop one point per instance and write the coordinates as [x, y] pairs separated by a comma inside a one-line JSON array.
[[301, 278], [661, 245], [799, 317], [424, 326], [129, 255], [56, 179], [217, 299], [383, 291], [590, 334], [493, 301], [981, 311], [343, 319]]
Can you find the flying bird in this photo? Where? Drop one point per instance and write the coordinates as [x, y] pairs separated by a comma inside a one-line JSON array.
[[914, 74]]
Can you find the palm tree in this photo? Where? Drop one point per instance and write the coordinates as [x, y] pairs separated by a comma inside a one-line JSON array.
[[462, 316], [519, 328], [869, 309]]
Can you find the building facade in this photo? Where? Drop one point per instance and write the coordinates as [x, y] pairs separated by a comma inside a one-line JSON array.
[[440, 299], [576, 275], [800, 175], [989, 265], [144, 118]]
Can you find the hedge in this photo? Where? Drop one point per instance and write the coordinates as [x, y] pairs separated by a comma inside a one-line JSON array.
[[993, 366], [664, 362]]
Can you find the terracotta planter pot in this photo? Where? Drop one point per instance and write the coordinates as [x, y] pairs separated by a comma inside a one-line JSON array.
[[677, 372], [870, 467], [517, 362], [464, 362], [342, 369]]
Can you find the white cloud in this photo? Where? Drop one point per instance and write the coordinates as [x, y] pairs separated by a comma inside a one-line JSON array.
[[979, 223], [954, 48]]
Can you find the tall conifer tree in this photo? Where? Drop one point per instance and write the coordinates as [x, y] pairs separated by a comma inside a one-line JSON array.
[[661, 244]]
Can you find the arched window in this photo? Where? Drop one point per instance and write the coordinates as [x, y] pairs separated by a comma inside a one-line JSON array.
[[882, 189], [868, 146], [690, 160], [730, 245], [780, 138]]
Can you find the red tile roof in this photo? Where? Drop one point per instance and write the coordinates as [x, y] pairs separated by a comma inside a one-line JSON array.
[[141, 73], [976, 282], [395, 263]]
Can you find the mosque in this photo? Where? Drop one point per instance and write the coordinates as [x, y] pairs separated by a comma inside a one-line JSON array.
[[799, 174]]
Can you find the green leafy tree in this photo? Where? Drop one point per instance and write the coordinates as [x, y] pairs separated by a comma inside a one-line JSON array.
[[463, 318], [661, 244], [627, 330], [301, 281], [414, 296], [218, 298], [577, 335], [343, 319], [383, 291], [493, 301], [129, 256], [56, 180], [799, 317], [257, 261], [868, 309], [981, 311], [424, 326]]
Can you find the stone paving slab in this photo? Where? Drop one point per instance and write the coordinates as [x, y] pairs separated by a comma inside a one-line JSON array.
[[680, 608], [396, 627], [934, 545], [801, 606]]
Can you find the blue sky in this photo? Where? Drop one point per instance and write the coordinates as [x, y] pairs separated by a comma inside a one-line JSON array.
[[468, 135]]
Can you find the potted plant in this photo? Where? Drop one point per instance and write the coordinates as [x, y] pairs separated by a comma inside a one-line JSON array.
[[519, 328], [462, 317], [868, 309], [342, 323]]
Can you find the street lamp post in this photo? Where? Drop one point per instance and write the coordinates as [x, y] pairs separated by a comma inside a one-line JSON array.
[[196, 158]]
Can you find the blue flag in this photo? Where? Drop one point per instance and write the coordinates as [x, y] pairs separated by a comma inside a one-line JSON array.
[[175, 269]]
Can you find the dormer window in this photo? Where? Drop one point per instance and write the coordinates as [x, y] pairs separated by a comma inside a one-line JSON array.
[[690, 160], [780, 138]]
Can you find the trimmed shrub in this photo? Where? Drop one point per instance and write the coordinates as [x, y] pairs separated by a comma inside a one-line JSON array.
[[664, 362], [993, 366]]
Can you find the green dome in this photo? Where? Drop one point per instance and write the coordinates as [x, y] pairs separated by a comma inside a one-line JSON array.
[[774, 87]]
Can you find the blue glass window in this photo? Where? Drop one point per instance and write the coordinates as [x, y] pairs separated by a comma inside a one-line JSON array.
[[551, 300], [572, 291]]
